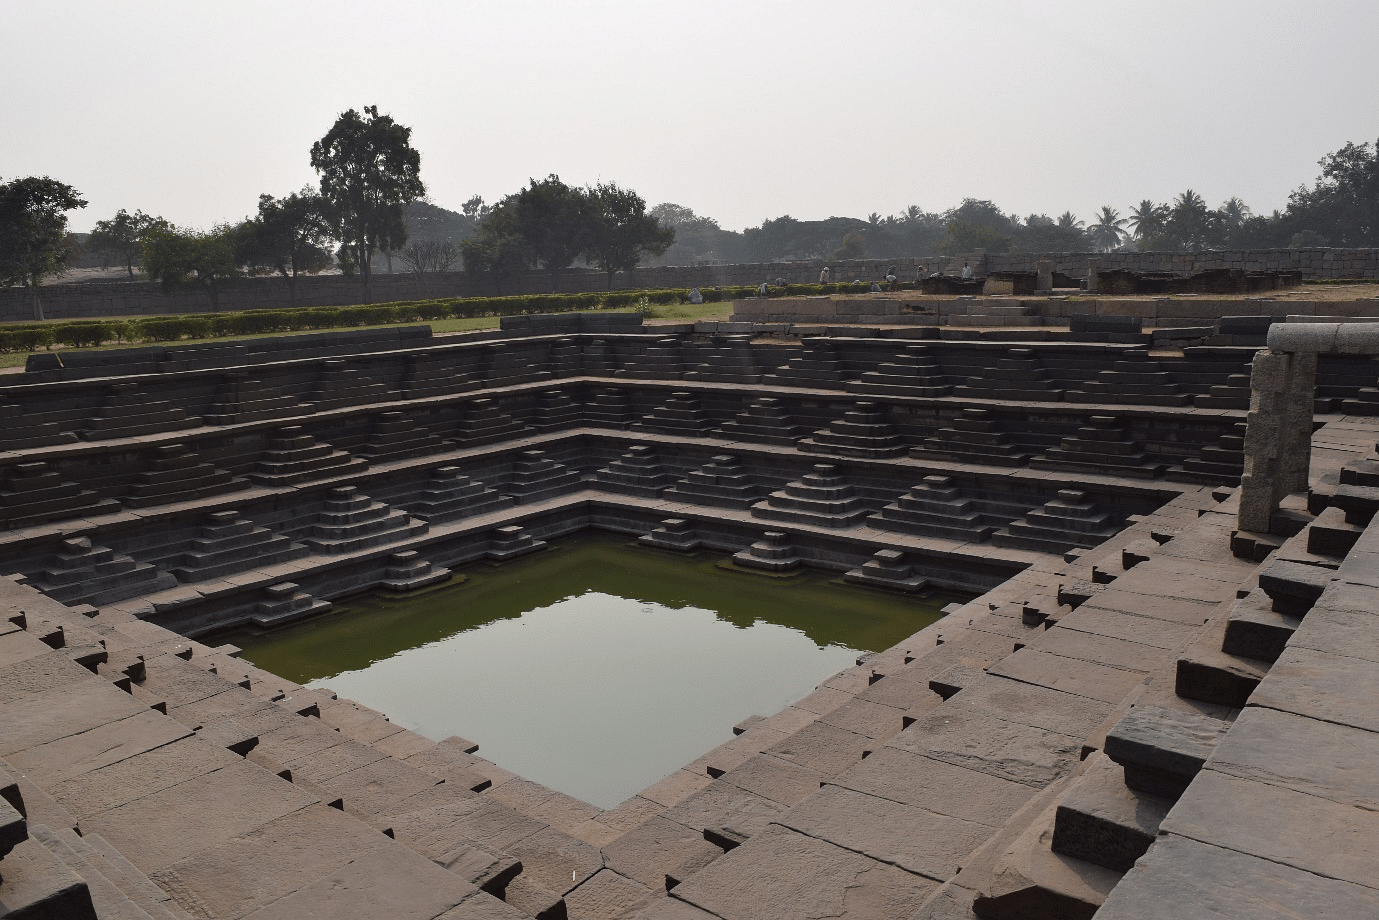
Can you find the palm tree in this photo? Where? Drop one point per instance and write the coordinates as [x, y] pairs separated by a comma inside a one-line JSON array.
[[1068, 221], [1190, 224], [1233, 212], [1148, 218], [1108, 230]]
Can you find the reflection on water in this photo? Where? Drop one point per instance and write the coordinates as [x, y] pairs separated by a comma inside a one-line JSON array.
[[594, 668]]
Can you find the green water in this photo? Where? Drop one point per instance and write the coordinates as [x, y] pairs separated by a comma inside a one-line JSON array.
[[595, 668]]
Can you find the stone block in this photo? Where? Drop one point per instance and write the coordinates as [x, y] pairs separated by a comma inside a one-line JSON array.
[[1161, 750], [1103, 821]]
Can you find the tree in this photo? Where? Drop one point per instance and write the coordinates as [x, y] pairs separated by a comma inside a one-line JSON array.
[[1148, 219], [555, 220], [369, 171], [1191, 226], [620, 230], [496, 248], [289, 235], [975, 224], [430, 255], [1109, 229], [33, 231], [475, 207], [123, 236], [210, 260], [1343, 207], [854, 247]]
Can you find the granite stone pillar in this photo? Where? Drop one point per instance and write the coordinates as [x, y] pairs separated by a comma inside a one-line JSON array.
[[1269, 473], [1093, 268], [1043, 281]]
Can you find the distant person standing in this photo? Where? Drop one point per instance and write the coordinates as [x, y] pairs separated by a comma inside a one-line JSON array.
[[966, 272], [890, 278], [823, 275]]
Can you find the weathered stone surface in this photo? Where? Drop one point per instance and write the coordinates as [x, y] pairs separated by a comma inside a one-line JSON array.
[[606, 896], [97, 747], [1076, 676], [391, 882], [648, 852], [482, 906], [158, 829], [937, 786], [1223, 884], [824, 748], [1162, 749], [1258, 812], [135, 777], [1319, 758], [775, 779], [244, 873], [915, 839], [723, 806], [987, 744], [1103, 821], [555, 860], [1323, 686], [783, 875]]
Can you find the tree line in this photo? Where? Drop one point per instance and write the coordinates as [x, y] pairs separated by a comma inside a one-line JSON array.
[[370, 180], [371, 201]]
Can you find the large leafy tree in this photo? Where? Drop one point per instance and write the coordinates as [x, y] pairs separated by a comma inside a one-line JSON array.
[[207, 259], [122, 236], [1343, 207], [620, 230], [496, 247], [33, 231], [555, 220], [1148, 219], [369, 172], [290, 235]]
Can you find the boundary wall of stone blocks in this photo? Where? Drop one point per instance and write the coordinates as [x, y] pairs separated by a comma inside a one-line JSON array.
[[101, 299]]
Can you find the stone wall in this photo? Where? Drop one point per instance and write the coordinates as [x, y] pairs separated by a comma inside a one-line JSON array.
[[121, 298]]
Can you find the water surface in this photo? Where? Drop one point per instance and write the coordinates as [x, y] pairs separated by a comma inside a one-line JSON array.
[[595, 668]]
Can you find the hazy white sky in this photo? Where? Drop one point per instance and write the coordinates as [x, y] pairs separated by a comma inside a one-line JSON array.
[[740, 110]]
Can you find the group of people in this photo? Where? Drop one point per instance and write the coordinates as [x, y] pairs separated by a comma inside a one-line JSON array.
[[892, 278]]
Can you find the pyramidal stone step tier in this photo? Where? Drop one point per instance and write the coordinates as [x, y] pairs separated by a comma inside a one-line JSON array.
[[84, 573], [407, 571], [680, 415], [889, 571], [764, 421], [536, 477], [246, 398], [396, 435], [555, 410], [21, 431], [230, 543], [972, 437], [351, 522], [722, 483], [862, 432], [128, 413], [772, 553], [294, 456], [508, 366], [284, 603], [511, 542], [450, 495], [936, 507], [1101, 446], [1364, 402], [1138, 382], [34, 493], [674, 534], [485, 423], [341, 384], [637, 472], [1233, 394], [608, 408], [597, 359], [817, 367], [1018, 376], [658, 360], [176, 474], [1069, 520], [567, 358], [437, 374], [821, 497], [729, 360], [912, 373]]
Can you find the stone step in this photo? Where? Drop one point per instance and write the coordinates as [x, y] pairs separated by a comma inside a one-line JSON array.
[[35, 883], [1103, 821]]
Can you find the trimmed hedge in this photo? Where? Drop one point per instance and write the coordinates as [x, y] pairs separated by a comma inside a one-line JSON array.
[[155, 329]]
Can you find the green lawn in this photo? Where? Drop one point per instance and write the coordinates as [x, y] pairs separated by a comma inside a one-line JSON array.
[[683, 312]]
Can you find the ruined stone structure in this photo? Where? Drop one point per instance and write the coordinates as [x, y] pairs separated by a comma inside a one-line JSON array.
[[1149, 709]]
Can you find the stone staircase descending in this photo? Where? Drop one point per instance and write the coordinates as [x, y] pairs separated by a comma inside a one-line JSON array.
[[351, 521]]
